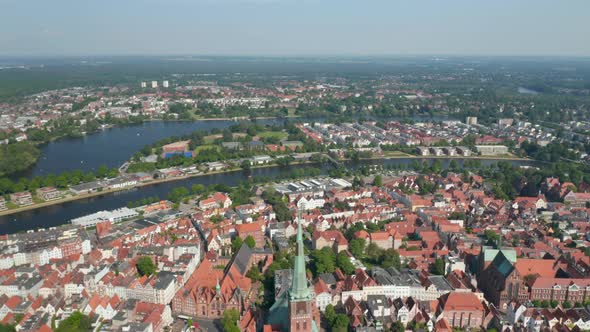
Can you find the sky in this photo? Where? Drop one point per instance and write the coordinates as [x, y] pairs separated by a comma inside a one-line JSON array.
[[295, 27]]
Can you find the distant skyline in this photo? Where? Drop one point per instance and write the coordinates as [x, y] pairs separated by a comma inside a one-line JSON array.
[[295, 27]]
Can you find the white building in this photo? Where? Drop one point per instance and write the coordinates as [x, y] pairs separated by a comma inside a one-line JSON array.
[[310, 203], [114, 216], [154, 84]]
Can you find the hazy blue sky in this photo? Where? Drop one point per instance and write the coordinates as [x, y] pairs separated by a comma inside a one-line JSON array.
[[295, 27]]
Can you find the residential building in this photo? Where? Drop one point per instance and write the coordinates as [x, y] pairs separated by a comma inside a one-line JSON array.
[[48, 193], [22, 198]]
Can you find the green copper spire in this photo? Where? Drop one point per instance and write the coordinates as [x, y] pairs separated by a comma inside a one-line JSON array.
[[217, 287], [299, 289]]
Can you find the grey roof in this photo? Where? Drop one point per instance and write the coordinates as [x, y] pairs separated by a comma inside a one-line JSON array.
[[26, 282], [87, 186], [277, 225], [255, 144], [282, 242], [231, 145], [391, 276], [120, 180], [137, 327], [25, 269], [376, 301], [120, 316], [328, 278], [163, 280], [242, 258], [441, 283], [22, 307]]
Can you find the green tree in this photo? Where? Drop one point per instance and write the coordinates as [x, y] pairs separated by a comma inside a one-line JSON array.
[[343, 262], [378, 181], [246, 165], [197, 189], [254, 274], [236, 244], [391, 258], [493, 237], [145, 266], [7, 328], [250, 242], [397, 327], [357, 248], [229, 321], [340, 323], [177, 194], [373, 251], [438, 267], [323, 260], [77, 322], [16, 157], [102, 171], [330, 314], [227, 135]]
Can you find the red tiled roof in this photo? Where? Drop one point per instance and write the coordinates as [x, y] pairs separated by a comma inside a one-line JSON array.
[[540, 267], [545, 282], [461, 301], [248, 228]]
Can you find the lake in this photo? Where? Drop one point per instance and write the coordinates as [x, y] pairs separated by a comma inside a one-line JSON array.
[[113, 146]]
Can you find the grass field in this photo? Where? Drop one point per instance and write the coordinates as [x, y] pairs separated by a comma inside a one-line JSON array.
[[395, 154], [278, 134], [206, 146]]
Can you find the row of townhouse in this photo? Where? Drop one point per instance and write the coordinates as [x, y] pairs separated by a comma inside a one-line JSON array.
[[44, 255]]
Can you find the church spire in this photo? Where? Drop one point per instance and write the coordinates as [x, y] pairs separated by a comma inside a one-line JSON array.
[[217, 287], [299, 288]]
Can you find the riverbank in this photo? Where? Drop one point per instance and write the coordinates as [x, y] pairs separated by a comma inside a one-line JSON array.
[[103, 192], [139, 185], [227, 171], [410, 156]]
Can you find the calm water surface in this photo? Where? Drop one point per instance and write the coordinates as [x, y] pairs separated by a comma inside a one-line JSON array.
[[62, 213]]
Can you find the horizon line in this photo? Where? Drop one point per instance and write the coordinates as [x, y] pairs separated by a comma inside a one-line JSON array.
[[294, 55]]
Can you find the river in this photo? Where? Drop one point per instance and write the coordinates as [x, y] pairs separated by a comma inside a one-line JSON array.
[[62, 213], [114, 146]]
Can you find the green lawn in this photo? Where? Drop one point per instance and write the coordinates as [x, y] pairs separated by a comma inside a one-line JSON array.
[[206, 146], [278, 134], [395, 154]]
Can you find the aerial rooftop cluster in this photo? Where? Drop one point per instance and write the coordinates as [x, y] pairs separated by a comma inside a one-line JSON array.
[[423, 251]]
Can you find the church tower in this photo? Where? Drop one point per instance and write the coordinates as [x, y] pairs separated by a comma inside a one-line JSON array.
[[301, 297]]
